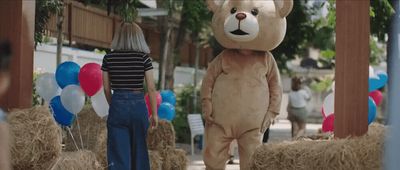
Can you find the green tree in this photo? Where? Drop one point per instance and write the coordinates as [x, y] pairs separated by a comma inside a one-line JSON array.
[[381, 12], [44, 10], [126, 9], [300, 31], [193, 18]]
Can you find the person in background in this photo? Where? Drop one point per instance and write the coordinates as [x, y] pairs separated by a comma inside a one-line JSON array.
[[232, 148], [5, 55], [124, 72], [297, 111]]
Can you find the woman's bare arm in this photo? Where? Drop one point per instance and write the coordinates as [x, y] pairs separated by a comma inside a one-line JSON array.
[[151, 89], [107, 86]]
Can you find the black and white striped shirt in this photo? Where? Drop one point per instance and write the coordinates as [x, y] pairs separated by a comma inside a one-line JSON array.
[[126, 69]]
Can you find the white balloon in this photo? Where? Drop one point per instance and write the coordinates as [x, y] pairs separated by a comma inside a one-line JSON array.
[[329, 104], [47, 87], [100, 104], [73, 98]]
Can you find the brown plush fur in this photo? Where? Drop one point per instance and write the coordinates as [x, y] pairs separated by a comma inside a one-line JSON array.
[[241, 92]]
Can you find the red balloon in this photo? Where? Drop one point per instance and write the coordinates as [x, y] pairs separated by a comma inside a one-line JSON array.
[[329, 123], [147, 99], [90, 78], [376, 96]]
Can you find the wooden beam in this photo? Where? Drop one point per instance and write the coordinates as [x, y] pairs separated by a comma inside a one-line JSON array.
[[18, 21], [351, 74]]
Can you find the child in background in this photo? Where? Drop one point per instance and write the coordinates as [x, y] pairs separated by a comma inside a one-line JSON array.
[[5, 54], [297, 111]]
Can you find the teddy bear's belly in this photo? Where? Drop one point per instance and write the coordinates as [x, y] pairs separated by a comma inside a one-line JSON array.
[[240, 101]]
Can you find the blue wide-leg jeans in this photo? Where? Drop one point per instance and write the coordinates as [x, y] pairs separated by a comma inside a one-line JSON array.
[[127, 126]]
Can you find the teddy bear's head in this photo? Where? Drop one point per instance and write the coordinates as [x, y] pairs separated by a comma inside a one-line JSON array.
[[250, 24]]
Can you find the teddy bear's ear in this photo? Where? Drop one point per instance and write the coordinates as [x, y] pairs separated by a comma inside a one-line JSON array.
[[283, 7], [214, 4]]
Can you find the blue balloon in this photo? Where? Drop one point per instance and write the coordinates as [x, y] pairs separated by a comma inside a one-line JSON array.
[[383, 77], [377, 82], [61, 115], [371, 110], [166, 111], [67, 74], [168, 96]]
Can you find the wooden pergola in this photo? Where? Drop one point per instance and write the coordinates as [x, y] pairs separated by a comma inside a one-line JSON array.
[[352, 49]]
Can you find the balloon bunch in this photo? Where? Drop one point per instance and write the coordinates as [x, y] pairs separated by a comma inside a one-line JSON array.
[[75, 82], [166, 101], [376, 81]]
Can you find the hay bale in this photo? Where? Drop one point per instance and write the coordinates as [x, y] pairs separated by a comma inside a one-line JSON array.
[[90, 126], [161, 138], [101, 148], [155, 160], [101, 153], [157, 140], [354, 153], [174, 159], [319, 136], [36, 138], [80, 160]]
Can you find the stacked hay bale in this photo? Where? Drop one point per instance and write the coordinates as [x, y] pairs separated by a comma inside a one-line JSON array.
[[161, 145], [91, 125], [37, 143], [155, 160], [162, 140], [36, 138], [101, 148], [353, 153], [80, 160]]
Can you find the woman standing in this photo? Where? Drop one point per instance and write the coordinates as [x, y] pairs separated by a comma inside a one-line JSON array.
[[297, 111], [124, 71]]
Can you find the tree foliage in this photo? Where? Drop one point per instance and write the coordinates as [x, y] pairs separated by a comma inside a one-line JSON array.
[[300, 31], [126, 9], [44, 10], [381, 12], [195, 16]]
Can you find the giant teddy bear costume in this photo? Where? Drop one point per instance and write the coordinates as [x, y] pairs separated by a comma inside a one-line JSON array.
[[241, 92]]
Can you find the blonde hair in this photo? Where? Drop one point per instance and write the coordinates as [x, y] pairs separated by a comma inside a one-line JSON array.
[[130, 37]]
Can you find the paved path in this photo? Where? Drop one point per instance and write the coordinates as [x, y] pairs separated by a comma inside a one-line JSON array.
[[279, 132]]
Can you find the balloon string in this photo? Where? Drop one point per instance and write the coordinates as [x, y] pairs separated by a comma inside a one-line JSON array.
[[79, 130], [73, 139]]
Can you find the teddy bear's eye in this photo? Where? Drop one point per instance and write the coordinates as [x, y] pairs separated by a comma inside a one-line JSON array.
[[254, 11], [233, 10]]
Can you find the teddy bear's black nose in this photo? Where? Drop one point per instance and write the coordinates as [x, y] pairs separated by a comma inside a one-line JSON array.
[[241, 16]]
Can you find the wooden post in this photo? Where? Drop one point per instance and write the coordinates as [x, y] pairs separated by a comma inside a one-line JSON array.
[[70, 23], [392, 149], [17, 18], [352, 61]]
